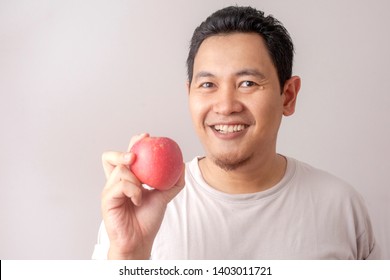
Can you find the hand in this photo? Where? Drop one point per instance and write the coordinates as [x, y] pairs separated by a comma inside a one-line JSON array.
[[132, 214]]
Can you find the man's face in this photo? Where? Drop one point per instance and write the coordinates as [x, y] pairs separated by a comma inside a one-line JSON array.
[[235, 99]]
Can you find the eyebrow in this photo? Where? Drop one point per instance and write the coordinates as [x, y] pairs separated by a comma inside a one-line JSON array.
[[203, 74], [243, 72], [250, 72]]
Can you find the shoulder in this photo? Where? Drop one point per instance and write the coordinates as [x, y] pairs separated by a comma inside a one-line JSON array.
[[309, 172], [338, 205], [317, 180], [327, 191]]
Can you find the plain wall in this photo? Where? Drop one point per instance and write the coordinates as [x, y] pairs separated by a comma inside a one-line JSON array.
[[81, 77]]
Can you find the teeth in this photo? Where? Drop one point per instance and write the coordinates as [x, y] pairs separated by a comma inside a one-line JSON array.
[[223, 128]]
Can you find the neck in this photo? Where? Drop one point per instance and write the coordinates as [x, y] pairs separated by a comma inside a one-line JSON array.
[[253, 176]]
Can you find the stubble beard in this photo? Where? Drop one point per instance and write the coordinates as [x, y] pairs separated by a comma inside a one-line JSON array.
[[230, 163]]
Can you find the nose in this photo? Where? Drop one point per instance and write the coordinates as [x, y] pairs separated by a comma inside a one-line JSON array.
[[227, 102]]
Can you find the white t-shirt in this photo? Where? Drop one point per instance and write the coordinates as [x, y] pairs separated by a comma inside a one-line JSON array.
[[309, 214]]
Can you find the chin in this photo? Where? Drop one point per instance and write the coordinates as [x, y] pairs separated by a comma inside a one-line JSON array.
[[229, 162]]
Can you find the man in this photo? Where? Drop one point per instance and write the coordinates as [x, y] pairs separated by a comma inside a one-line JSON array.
[[242, 200]]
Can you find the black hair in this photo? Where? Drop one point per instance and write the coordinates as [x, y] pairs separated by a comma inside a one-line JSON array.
[[247, 20]]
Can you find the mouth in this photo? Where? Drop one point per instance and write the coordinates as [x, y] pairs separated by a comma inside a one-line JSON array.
[[231, 128]]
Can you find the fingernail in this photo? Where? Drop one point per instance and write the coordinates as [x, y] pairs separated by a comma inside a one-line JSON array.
[[127, 157], [137, 202]]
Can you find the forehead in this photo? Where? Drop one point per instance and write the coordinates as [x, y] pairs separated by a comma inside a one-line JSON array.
[[236, 50]]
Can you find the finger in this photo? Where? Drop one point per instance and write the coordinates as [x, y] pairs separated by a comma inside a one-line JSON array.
[[119, 193], [175, 190], [135, 139], [112, 159], [169, 194], [181, 181], [121, 173]]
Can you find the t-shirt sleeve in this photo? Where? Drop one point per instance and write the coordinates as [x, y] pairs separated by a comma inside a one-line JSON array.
[[368, 249], [103, 244], [375, 253]]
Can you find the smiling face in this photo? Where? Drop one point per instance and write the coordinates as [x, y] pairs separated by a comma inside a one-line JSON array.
[[235, 99]]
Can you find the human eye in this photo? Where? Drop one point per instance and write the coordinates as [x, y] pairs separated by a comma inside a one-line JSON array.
[[207, 85], [247, 84]]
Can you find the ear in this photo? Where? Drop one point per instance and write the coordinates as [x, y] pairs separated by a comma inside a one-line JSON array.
[[290, 92]]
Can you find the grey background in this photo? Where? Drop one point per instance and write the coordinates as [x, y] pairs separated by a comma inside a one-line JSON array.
[[81, 77]]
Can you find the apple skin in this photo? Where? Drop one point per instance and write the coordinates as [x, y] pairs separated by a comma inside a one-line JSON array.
[[158, 163]]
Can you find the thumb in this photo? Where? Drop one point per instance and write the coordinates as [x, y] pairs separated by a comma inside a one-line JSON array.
[[172, 192]]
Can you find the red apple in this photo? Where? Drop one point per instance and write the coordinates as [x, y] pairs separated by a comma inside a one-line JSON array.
[[158, 163]]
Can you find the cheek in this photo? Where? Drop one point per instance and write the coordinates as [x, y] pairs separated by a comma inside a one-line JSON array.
[[266, 111], [197, 111]]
